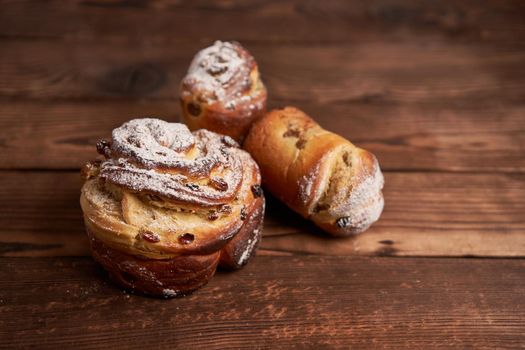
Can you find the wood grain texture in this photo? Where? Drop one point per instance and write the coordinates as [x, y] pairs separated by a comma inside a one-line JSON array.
[[174, 21], [436, 90], [484, 136], [274, 302], [418, 70], [50, 135], [426, 214]]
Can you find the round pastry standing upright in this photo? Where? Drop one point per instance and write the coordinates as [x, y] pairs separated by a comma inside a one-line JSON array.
[[167, 206], [223, 91]]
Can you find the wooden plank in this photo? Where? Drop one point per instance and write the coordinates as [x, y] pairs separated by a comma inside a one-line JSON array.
[[418, 70], [475, 136], [275, 302], [426, 214], [173, 21], [58, 135]]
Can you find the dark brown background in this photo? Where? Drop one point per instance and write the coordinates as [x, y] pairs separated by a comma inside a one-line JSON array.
[[435, 89]]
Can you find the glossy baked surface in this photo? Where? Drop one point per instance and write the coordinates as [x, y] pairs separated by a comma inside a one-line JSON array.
[[434, 89], [222, 90], [317, 173], [163, 198]]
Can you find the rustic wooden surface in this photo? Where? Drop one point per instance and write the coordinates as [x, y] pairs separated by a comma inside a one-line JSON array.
[[441, 214], [275, 302], [436, 90]]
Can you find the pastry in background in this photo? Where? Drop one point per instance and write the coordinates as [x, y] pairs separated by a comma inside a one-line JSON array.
[[223, 91], [167, 206], [318, 174]]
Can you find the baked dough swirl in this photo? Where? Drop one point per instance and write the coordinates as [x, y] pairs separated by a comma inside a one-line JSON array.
[[317, 173], [165, 199], [223, 91]]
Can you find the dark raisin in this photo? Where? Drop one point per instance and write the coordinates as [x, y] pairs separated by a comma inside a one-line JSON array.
[[225, 209], [347, 160], [194, 109], [193, 187], [102, 146], [186, 238], [228, 141], [343, 222], [300, 143], [244, 215], [149, 236], [321, 207], [230, 106], [135, 141], [292, 132], [218, 184], [153, 198], [217, 70], [212, 215], [257, 191]]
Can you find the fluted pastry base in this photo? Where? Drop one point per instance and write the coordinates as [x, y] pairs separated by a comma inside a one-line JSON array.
[[182, 274], [157, 277]]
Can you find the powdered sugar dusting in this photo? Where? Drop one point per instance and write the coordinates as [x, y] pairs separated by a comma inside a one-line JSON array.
[[366, 200], [151, 141], [248, 250], [252, 242], [166, 159], [169, 293], [305, 187], [356, 203], [306, 184], [216, 68]]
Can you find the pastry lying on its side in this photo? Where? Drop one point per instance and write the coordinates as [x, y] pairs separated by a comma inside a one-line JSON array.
[[167, 206], [320, 175], [223, 91]]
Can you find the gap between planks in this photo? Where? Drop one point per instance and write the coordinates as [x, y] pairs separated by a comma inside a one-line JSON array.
[[426, 214], [465, 136], [276, 21]]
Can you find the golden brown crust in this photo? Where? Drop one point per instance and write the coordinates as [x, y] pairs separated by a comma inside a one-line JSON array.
[[166, 278], [136, 203], [223, 91], [317, 173], [241, 248]]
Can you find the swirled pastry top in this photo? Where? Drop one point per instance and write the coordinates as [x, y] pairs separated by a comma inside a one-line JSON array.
[[223, 90], [167, 160], [224, 73], [163, 190]]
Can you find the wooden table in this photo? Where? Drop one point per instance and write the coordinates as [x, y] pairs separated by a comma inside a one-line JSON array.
[[435, 90]]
